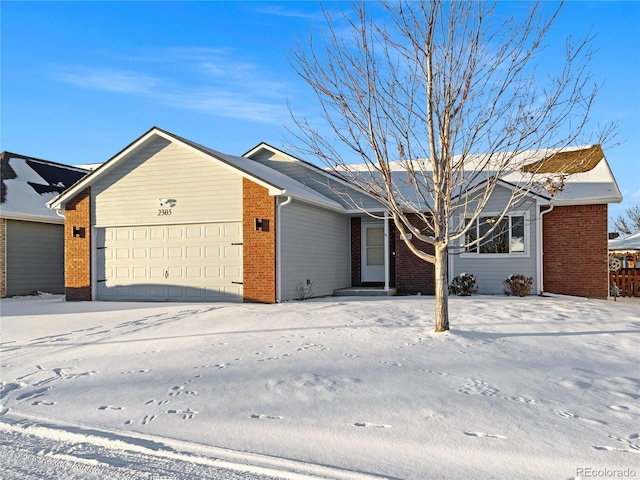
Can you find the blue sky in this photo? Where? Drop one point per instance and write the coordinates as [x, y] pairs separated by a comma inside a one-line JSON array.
[[81, 80]]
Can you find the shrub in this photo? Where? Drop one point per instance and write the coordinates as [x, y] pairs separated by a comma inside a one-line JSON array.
[[518, 285], [464, 285], [305, 292]]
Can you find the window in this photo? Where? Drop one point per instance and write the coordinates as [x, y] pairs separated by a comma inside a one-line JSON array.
[[507, 237]]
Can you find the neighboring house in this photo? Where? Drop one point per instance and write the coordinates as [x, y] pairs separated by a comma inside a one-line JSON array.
[[31, 235], [168, 219]]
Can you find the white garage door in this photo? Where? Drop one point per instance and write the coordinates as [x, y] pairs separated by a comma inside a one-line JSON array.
[[198, 262]]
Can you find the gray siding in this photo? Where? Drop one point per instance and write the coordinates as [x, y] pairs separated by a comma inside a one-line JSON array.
[[204, 190], [315, 246], [35, 258], [321, 183], [490, 269]]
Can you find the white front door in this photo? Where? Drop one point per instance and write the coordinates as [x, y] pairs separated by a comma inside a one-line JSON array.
[[373, 252]]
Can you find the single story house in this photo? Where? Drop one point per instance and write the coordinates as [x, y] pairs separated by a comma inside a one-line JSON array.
[[32, 235], [169, 219]]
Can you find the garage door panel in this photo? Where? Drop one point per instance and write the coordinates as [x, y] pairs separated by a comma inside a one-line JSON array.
[[172, 262]]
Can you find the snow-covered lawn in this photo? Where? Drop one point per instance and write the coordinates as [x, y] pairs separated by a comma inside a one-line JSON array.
[[519, 388]]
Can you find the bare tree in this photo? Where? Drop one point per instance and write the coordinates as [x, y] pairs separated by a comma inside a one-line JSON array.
[[427, 87], [629, 224]]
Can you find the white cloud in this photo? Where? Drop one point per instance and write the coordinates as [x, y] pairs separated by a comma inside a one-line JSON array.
[[210, 80], [280, 11], [107, 79]]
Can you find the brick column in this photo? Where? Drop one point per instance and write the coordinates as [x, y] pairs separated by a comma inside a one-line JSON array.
[[414, 275], [356, 254], [259, 246], [3, 257], [575, 251], [77, 247]]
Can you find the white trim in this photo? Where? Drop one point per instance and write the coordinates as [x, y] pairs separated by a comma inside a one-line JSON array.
[[32, 218], [363, 248], [167, 223], [386, 250], [540, 259], [527, 237], [94, 263]]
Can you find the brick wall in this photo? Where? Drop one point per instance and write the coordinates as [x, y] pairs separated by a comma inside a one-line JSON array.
[[356, 252], [413, 275], [575, 251], [259, 246], [77, 249], [3, 257]]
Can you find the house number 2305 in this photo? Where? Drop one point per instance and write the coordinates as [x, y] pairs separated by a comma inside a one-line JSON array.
[[163, 212]]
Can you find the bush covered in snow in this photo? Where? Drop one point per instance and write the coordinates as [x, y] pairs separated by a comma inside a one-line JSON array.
[[464, 285], [518, 285]]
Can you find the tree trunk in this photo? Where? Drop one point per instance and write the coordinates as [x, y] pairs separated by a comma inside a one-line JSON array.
[[442, 288]]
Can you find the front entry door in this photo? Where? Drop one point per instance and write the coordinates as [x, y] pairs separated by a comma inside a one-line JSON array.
[[372, 252]]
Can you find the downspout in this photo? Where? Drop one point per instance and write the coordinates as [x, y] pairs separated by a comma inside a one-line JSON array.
[[279, 249], [540, 257]]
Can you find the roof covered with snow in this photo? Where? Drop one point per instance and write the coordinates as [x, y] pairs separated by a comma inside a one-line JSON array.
[[630, 242], [569, 176], [29, 183]]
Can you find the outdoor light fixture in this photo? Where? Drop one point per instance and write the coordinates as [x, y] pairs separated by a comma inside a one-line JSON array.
[[262, 224], [78, 232], [171, 202]]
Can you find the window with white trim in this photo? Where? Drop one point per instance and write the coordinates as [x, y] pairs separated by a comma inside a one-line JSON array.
[[508, 237]]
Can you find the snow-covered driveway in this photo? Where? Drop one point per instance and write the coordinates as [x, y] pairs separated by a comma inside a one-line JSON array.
[[337, 388]]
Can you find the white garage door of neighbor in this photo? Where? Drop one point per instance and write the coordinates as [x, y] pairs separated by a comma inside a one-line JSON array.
[[197, 262]]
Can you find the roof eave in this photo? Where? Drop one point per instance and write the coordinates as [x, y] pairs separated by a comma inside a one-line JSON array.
[[32, 218]]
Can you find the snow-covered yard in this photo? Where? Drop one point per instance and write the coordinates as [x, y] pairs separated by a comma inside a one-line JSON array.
[[531, 388]]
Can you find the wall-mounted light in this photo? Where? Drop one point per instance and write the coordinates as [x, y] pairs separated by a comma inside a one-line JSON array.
[[170, 202], [262, 224], [78, 232]]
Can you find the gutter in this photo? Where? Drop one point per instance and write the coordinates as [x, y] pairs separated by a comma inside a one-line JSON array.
[[279, 248]]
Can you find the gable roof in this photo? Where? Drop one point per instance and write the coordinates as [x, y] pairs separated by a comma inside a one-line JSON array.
[[582, 173], [275, 182], [29, 183], [326, 182]]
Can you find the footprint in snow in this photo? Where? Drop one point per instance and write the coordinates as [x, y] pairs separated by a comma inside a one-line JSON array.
[[180, 390], [562, 414], [42, 402], [187, 414], [630, 444], [371, 425], [267, 417], [147, 419], [484, 435], [619, 408], [109, 407], [34, 393], [393, 364]]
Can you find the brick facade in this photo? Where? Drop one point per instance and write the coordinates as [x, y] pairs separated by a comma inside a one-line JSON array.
[[77, 247], [3, 257], [575, 251], [356, 252], [413, 275], [259, 246]]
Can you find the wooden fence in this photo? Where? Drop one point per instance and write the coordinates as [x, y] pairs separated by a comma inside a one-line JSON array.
[[627, 280]]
